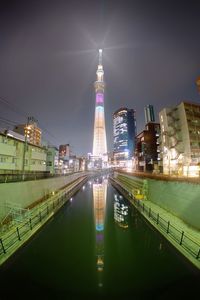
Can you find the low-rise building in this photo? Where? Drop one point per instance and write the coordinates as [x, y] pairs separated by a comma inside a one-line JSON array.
[[147, 148], [53, 160], [17, 156], [180, 135]]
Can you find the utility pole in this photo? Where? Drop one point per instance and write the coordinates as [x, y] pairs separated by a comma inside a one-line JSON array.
[[25, 148]]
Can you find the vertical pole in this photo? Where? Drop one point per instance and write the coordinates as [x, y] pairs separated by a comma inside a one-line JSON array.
[[198, 254], [149, 212], [181, 237], [4, 251], [30, 223], [157, 221], [24, 150], [18, 234], [168, 223]]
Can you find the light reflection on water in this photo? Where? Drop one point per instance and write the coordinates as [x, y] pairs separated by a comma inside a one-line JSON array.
[[97, 245], [99, 200]]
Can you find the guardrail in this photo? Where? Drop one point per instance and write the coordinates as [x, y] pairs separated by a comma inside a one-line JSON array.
[[15, 177], [159, 176], [38, 216], [179, 236]]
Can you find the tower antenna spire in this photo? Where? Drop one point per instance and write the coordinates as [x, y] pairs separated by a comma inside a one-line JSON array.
[[100, 56]]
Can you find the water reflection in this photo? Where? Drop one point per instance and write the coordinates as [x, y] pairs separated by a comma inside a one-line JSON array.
[[120, 211], [99, 198]]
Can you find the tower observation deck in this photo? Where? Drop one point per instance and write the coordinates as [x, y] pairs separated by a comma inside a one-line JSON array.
[[99, 139]]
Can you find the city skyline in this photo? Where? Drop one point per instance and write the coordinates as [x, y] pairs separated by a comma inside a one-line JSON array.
[[48, 58]]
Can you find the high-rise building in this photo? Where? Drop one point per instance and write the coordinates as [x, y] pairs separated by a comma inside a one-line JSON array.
[[99, 140], [30, 130], [124, 131], [149, 114], [180, 137]]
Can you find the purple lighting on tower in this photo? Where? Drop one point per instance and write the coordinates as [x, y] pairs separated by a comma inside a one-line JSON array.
[[99, 98]]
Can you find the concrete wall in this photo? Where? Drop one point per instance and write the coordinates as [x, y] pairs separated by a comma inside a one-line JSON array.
[[182, 199], [27, 192]]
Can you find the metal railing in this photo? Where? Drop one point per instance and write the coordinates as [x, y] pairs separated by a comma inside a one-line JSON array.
[[15, 177], [38, 216], [179, 236], [159, 176]]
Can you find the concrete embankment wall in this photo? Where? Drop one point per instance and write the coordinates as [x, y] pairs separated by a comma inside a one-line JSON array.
[[182, 199], [27, 192]]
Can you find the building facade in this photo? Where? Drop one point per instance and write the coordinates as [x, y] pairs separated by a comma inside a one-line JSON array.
[[17, 156], [64, 151], [124, 131], [52, 160], [99, 139], [149, 114], [30, 130], [180, 135], [147, 151]]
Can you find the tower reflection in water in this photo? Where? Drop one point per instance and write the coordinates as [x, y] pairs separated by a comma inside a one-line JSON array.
[[120, 211], [99, 198]]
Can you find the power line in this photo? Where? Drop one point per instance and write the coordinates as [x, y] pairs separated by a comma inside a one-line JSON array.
[[8, 121], [13, 107], [18, 110]]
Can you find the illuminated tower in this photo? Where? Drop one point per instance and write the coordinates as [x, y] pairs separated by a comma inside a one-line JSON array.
[[99, 141]]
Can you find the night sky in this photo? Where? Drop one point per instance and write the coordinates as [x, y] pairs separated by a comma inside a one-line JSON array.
[[49, 56]]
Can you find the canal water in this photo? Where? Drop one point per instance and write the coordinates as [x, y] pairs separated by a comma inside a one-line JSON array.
[[97, 247]]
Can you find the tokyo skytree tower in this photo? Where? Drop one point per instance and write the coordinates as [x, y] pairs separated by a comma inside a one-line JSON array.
[[99, 140]]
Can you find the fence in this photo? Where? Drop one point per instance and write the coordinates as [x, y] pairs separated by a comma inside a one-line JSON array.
[[38, 216], [177, 235], [15, 177]]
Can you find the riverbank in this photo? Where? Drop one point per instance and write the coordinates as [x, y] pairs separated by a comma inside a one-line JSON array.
[[183, 237], [38, 216]]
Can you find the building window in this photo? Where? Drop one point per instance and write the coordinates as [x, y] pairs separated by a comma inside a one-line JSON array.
[[3, 159]]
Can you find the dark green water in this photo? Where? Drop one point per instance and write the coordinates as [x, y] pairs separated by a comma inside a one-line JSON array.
[[92, 249]]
